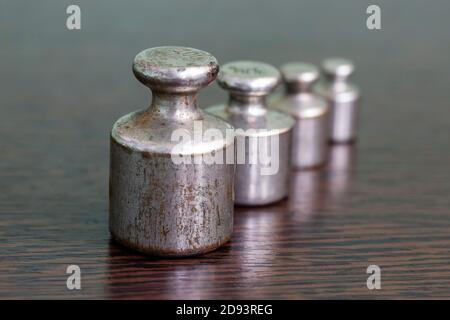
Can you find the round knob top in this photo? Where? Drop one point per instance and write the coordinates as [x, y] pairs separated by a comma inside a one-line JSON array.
[[249, 78], [175, 69], [299, 75], [338, 67]]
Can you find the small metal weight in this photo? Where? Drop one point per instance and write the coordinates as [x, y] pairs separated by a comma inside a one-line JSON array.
[[343, 98], [310, 138], [258, 182], [158, 205]]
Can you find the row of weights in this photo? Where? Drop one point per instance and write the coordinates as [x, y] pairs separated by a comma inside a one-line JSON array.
[[164, 207]]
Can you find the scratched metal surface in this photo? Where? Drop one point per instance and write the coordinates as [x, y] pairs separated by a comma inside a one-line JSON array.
[[62, 90]]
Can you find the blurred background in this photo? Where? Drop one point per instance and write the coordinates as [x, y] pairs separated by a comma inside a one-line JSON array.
[[62, 89]]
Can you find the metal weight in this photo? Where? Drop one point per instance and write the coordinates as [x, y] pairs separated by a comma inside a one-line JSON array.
[[310, 111], [159, 204], [259, 132], [343, 98]]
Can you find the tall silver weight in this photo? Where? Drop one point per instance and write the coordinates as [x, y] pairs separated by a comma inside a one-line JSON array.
[[164, 199]]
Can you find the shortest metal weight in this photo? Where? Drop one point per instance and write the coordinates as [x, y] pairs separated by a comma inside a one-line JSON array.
[[310, 138], [343, 98], [164, 198]]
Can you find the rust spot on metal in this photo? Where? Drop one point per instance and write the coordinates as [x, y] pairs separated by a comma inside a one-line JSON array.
[[127, 150], [147, 155], [218, 215]]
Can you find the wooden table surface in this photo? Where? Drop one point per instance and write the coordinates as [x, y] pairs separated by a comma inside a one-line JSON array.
[[385, 201]]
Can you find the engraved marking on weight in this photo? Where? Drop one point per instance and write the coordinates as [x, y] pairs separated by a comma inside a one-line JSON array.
[[174, 57], [250, 71]]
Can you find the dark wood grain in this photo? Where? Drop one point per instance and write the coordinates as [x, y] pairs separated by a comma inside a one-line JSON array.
[[385, 201]]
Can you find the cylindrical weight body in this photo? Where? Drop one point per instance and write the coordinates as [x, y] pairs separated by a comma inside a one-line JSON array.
[[310, 142], [163, 208], [254, 188], [343, 124]]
